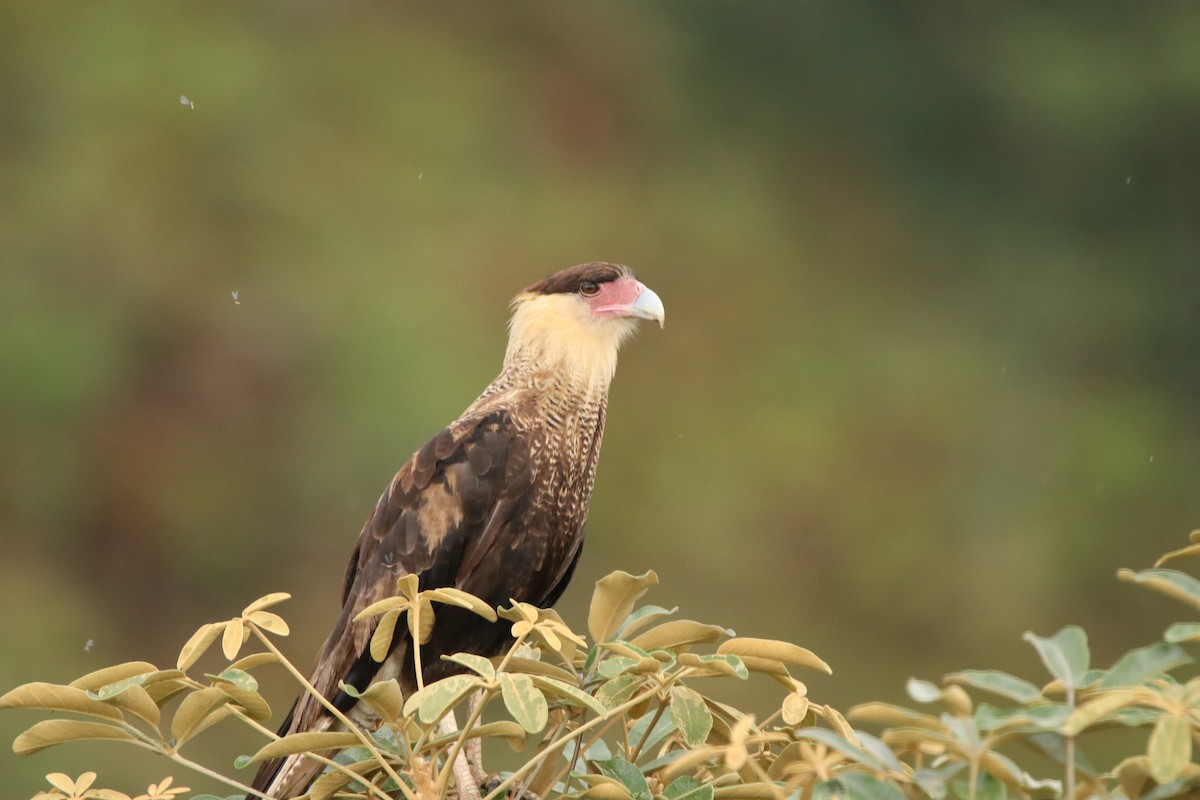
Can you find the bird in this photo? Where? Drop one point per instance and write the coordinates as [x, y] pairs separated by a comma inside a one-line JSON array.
[[495, 504]]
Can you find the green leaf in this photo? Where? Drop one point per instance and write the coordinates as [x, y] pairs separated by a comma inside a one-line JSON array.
[[1170, 748], [996, 682], [836, 742], [685, 787], [305, 743], [988, 787], [619, 690], [690, 715], [477, 664], [1065, 654], [1138, 666], [1183, 632], [198, 711], [1173, 583], [52, 697], [435, 699], [239, 678], [57, 731], [524, 701], [773, 650], [642, 618], [613, 600], [922, 691], [856, 786], [615, 665], [628, 775]]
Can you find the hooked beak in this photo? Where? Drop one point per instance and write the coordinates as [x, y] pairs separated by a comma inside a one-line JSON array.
[[647, 305]]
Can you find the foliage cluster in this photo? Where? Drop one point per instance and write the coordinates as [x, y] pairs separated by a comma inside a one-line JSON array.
[[619, 714]]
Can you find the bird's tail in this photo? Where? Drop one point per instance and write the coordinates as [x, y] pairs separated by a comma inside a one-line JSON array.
[[290, 776]]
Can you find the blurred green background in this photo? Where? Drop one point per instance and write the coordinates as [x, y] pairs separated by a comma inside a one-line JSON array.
[[930, 374]]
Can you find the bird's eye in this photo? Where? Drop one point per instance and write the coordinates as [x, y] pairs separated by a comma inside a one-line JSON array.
[[589, 289]]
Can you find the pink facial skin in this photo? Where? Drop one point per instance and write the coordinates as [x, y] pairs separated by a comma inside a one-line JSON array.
[[626, 297]]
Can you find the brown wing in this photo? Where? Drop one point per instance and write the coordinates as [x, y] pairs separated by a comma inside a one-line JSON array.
[[457, 514]]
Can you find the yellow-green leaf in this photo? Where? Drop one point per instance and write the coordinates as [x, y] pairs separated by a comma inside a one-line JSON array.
[[197, 711], [678, 633], [795, 709], [306, 743], [408, 586], [201, 640], [420, 620], [435, 699], [465, 600], [249, 701], [57, 731], [762, 791], [524, 701], [231, 641], [384, 698], [381, 640], [1170, 748], [1175, 584], [382, 606], [571, 694], [477, 664], [1183, 552], [247, 663], [1088, 713], [607, 789], [138, 702], [893, 716], [52, 697], [266, 601], [500, 729], [774, 650], [269, 622], [614, 599], [531, 667], [103, 677]]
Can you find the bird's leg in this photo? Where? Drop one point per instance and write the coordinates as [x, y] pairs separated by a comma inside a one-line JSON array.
[[468, 788], [474, 746]]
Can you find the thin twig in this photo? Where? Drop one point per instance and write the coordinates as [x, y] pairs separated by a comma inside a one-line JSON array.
[[584, 728]]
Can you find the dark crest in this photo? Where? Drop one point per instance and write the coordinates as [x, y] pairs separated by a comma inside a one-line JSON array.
[[568, 280]]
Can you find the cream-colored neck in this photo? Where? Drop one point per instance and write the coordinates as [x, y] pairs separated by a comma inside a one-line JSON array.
[[556, 334]]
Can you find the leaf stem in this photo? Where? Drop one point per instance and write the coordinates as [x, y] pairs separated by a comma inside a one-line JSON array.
[[662, 707], [611, 716]]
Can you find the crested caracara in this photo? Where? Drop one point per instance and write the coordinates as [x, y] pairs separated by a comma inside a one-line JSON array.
[[493, 505]]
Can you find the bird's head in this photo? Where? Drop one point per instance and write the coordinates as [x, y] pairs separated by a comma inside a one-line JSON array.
[[579, 318]]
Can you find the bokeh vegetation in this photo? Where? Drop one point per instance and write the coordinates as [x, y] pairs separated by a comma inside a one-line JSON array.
[[930, 373]]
